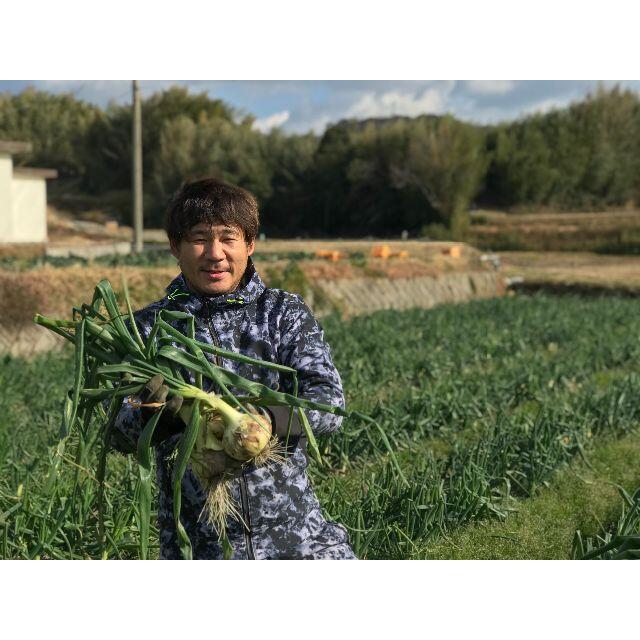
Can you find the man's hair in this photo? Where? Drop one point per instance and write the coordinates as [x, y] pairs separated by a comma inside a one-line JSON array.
[[213, 202]]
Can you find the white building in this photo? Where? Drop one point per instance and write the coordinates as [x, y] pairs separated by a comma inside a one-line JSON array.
[[23, 197]]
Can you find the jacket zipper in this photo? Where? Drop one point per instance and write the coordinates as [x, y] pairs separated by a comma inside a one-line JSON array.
[[244, 499]]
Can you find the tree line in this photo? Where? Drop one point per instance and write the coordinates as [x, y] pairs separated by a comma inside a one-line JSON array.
[[376, 176]]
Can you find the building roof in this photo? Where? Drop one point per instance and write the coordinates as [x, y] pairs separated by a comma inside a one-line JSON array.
[[32, 172], [12, 146]]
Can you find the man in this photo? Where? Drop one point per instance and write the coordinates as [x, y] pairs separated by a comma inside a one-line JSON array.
[[212, 228]]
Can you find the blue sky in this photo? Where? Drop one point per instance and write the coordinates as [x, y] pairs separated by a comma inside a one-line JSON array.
[[300, 106]]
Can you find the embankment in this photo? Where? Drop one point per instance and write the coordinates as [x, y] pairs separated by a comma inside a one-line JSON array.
[[54, 291]]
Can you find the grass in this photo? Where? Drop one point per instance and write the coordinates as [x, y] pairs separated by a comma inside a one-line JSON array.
[[543, 527], [47, 497]]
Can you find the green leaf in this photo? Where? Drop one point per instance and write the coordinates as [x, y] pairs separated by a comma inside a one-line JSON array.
[[105, 291], [79, 370], [223, 353], [185, 446], [144, 457], [313, 445], [105, 394], [186, 360], [132, 319], [112, 414]]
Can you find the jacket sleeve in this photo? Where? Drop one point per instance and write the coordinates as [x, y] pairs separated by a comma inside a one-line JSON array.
[[302, 347]]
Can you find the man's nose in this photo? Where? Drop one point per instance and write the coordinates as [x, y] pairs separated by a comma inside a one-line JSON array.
[[214, 250]]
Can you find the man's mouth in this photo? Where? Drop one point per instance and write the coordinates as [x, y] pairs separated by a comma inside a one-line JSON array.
[[214, 274]]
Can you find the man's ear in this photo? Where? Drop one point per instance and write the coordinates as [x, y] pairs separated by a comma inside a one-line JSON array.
[[251, 247], [174, 249]]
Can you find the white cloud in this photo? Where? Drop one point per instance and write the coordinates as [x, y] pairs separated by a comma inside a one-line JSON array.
[[269, 122], [391, 103], [544, 106], [320, 124], [490, 87], [315, 125]]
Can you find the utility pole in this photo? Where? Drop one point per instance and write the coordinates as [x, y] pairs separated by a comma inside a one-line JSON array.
[[136, 177]]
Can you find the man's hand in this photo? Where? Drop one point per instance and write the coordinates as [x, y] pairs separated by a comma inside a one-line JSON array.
[[152, 398], [279, 417]]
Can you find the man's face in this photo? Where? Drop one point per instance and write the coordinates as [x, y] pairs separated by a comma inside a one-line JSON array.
[[213, 259]]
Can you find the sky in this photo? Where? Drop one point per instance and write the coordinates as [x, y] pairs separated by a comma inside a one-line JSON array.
[[300, 106]]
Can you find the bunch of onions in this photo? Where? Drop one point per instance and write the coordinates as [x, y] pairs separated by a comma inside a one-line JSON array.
[[227, 440]]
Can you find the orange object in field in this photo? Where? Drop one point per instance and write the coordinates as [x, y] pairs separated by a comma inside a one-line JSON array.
[[400, 254], [380, 251], [453, 252], [329, 254]]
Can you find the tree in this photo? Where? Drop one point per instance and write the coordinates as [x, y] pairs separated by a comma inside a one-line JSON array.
[[290, 159], [211, 147], [584, 157], [446, 162], [55, 125]]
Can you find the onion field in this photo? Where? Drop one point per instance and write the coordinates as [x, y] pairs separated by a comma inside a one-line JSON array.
[[490, 407]]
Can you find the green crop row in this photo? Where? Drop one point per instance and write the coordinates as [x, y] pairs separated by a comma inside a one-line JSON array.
[[483, 402]]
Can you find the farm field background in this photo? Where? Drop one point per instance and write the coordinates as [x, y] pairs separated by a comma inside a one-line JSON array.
[[590, 252], [583, 272], [511, 418]]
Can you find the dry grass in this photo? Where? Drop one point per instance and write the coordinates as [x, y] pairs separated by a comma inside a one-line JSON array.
[[575, 218], [423, 250], [375, 267], [53, 292], [425, 258], [23, 251], [569, 268], [63, 228], [607, 231]]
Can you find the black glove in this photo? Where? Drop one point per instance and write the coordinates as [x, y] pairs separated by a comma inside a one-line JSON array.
[[153, 397], [279, 416]]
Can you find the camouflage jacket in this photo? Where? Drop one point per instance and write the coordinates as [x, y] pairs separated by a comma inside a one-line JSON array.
[[281, 513]]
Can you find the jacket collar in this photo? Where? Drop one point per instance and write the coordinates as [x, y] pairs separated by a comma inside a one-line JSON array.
[[251, 287]]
